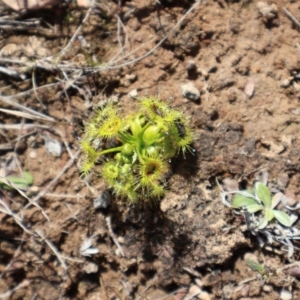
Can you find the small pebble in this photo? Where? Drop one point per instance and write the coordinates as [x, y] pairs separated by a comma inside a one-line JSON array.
[[191, 66], [103, 201], [202, 72], [121, 240], [267, 288], [204, 296], [84, 3], [268, 11], [285, 83], [286, 295], [90, 268], [190, 92], [194, 290], [133, 93], [249, 87], [53, 146], [131, 77], [32, 154], [34, 189]]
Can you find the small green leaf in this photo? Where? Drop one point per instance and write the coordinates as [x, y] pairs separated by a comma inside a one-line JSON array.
[[255, 266], [263, 223], [253, 208], [20, 182], [269, 214], [282, 218], [264, 194], [242, 201]]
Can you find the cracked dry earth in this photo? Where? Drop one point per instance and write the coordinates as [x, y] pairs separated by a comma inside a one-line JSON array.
[[241, 61]]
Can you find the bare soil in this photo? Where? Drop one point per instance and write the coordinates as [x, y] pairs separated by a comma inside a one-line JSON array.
[[246, 65]]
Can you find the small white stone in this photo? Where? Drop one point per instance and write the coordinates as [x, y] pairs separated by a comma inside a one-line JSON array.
[[286, 295], [84, 3], [190, 92], [133, 93], [130, 77], [204, 296], [32, 154], [53, 146], [285, 83], [190, 66], [121, 240], [194, 291], [90, 268], [34, 189], [267, 288]]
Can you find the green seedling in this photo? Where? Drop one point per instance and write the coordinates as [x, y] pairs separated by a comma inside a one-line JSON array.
[[137, 148], [264, 272], [259, 200], [20, 182]]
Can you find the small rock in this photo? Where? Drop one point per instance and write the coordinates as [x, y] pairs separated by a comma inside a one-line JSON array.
[[286, 295], [34, 189], [204, 296], [125, 83], [285, 83], [191, 66], [190, 92], [249, 88], [131, 77], [53, 146], [84, 3], [133, 93], [90, 268], [267, 288], [202, 72], [121, 240], [267, 11], [103, 201], [32, 154], [194, 291]]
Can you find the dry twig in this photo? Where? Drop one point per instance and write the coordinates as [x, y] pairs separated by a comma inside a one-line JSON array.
[[291, 17], [113, 236]]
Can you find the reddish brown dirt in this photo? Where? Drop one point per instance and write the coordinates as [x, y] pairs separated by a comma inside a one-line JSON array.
[[189, 235]]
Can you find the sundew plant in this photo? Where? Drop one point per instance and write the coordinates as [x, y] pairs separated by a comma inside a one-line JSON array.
[[136, 149]]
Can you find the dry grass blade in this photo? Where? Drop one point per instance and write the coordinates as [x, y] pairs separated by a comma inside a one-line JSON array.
[[113, 236], [291, 17], [21, 114], [22, 126], [13, 186], [16, 217], [52, 247], [33, 113]]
